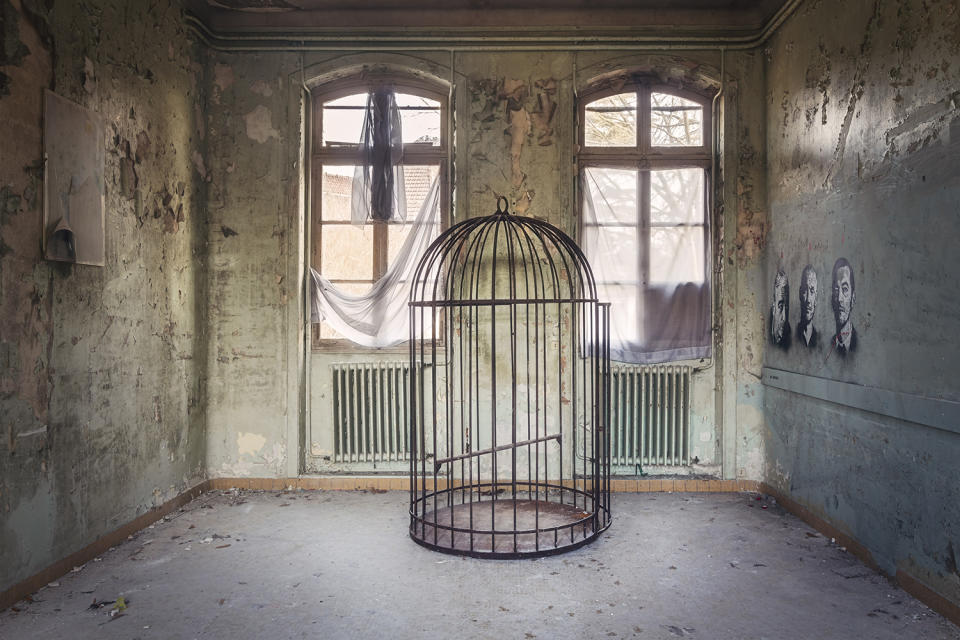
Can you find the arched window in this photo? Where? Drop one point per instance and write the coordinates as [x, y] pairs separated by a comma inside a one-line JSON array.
[[644, 161], [353, 257]]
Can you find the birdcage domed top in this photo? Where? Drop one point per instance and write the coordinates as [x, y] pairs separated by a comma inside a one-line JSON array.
[[503, 256]]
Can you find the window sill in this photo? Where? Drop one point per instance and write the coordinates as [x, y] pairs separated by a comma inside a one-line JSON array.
[[345, 347]]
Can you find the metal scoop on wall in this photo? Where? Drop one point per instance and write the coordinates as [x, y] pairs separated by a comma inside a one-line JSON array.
[[61, 243]]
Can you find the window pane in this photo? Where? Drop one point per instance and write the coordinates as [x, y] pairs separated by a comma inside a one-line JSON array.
[[675, 122], [346, 252], [337, 189], [612, 252], [676, 254], [611, 121], [613, 194], [329, 333], [417, 180], [343, 120], [355, 100], [624, 324], [419, 119], [676, 196]]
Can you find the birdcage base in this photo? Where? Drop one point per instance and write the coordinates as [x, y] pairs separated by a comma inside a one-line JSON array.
[[506, 527]]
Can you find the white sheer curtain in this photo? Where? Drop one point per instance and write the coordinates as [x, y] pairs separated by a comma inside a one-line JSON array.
[[380, 317], [660, 311]]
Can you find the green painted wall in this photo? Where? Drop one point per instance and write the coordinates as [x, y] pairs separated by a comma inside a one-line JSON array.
[[183, 357], [101, 368], [863, 142], [506, 143]]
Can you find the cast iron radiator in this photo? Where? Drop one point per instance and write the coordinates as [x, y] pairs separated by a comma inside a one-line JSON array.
[[649, 416], [370, 411]]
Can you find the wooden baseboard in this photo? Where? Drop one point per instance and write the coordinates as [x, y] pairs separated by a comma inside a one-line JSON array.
[[945, 607], [401, 483], [97, 547]]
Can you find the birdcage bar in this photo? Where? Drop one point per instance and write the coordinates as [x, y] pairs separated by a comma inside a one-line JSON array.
[[509, 394]]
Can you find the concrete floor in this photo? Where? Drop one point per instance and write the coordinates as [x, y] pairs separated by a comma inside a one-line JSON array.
[[340, 565]]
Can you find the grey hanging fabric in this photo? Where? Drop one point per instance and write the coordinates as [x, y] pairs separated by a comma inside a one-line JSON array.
[[378, 190], [650, 322]]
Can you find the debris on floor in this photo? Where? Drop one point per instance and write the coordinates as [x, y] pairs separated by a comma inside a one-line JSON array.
[[342, 552], [100, 604]]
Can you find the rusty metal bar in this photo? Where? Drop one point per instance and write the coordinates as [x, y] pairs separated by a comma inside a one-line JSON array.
[[502, 447]]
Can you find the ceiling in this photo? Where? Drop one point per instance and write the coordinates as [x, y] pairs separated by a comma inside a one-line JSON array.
[[689, 17]]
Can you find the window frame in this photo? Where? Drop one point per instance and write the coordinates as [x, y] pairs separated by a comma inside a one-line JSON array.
[[642, 148], [351, 155], [644, 157]]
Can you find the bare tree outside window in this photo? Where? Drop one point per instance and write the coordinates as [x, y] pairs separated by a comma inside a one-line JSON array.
[[611, 121], [674, 121]]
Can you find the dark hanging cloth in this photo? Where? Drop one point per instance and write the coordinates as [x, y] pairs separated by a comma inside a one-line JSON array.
[[378, 189]]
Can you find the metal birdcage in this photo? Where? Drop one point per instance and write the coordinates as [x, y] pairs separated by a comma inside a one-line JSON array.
[[509, 355]]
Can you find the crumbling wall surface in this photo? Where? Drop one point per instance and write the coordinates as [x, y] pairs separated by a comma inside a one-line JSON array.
[[100, 383], [746, 221], [514, 137], [863, 147], [253, 168], [518, 141]]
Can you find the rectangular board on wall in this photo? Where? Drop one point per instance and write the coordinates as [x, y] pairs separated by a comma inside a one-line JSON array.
[[73, 203]]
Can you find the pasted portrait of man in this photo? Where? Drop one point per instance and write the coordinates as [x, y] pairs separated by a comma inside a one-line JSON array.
[[779, 311], [808, 307], [844, 295]]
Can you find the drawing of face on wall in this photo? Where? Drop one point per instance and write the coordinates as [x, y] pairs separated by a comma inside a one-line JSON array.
[[779, 322], [808, 307], [844, 295]]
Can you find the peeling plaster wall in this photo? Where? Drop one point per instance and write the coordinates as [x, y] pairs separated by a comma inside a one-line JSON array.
[[518, 134], [183, 356], [863, 148], [253, 123], [101, 369], [514, 136], [749, 221]]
